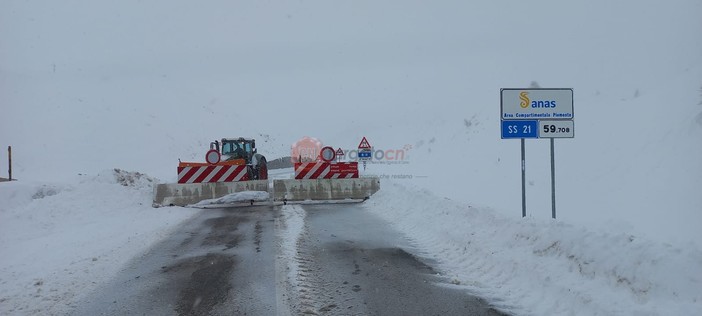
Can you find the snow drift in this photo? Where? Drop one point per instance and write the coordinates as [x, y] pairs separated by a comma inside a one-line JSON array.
[[541, 267], [59, 241]]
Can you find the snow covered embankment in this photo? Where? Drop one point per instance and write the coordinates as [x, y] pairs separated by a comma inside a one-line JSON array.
[[60, 241], [543, 267]]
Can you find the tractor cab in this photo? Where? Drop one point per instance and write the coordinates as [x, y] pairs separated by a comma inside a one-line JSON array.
[[237, 148], [243, 149]]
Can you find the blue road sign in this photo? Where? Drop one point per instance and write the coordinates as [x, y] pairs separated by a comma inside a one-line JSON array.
[[364, 154], [520, 129]]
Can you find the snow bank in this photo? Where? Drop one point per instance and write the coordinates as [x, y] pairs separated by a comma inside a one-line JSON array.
[[244, 196], [59, 241], [543, 267]]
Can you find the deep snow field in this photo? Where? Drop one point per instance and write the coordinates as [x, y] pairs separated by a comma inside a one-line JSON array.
[[60, 241], [90, 86]]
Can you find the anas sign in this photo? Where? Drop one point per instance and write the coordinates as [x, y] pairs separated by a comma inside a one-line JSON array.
[[536, 113], [536, 104]]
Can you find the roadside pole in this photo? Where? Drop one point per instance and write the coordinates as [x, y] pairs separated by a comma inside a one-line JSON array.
[[9, 161]]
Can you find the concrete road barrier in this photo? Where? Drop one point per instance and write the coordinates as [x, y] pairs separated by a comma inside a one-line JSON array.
[[173, 194], [324, 189]]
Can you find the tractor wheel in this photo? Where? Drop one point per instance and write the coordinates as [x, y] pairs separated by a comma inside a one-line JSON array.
[[262, 169], [251, 172]]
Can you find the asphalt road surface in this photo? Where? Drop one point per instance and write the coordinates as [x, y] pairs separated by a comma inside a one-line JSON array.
[[229, 262]]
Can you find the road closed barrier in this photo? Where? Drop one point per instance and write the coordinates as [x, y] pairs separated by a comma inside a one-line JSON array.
[[233, 165], [206, 173], [326, 170]]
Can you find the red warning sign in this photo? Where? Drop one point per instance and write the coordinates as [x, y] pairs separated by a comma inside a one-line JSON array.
[[364, 144], [339, 152], [212, 157], [327, 154]]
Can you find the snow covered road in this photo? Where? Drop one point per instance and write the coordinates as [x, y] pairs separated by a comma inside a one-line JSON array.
[[220, 262], [354, 263], [232, 261]]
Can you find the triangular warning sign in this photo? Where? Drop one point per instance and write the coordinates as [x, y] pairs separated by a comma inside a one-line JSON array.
[[339, 152], [364, 144]]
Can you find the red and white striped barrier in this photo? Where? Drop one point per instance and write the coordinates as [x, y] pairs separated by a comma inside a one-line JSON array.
[[323, 170], [212, 173]]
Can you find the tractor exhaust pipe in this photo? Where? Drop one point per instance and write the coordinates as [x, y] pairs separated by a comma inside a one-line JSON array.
[[215, 145]]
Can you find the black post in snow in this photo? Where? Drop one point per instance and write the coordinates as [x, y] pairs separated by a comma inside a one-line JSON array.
[[9, 161]]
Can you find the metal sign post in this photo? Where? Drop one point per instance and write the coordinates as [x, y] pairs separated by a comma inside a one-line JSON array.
[[537, 113], [553, 183], [523, 182]]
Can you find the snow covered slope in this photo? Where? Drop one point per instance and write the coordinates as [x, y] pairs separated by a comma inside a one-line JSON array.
[[639, 175], [541, 267], [60, 241]]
